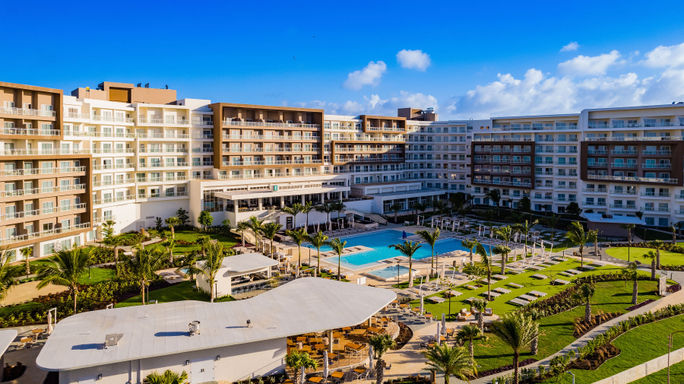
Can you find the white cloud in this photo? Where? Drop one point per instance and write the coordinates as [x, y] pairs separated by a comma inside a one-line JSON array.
[[589, 65], [571, 46], [369, 75], [665, 56], [413, 59]]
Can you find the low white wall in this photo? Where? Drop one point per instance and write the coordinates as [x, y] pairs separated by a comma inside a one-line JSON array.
[[645, 369]]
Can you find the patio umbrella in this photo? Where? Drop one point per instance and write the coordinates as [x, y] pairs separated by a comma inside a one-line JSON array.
[[443, 323], [432, 222], [303, 378], [49, 321], [370, 358], [421, 303], [437, 336], [325, 364]]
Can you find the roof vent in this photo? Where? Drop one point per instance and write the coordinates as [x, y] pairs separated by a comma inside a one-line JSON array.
[[112, 339], [194, 328]]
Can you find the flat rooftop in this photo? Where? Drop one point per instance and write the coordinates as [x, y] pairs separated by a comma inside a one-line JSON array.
[[7, 336], [301, 306], [246, 262]]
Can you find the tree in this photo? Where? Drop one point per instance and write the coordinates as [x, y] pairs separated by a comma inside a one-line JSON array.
[[673, 228], [431, 239], [27, 253], [408, 248], [469, 333], [158, 224], [318, 240], [182, 215], [486, 260], [450, 361], [632, 272], [189, 264], [242, 227], [338, 206], [524, 204], [578, 237], [503, 251], [657, 245], [481, 306], [169, 244], [652, 256], [294, 210], [298, 361], [142, 267], [298, 236], [174, 222], [337, 246], [212, 264], [168, 377], [495, 196], [380, 344], [524, 229], [306, 208], [65, 269], [592, 237], [108, 229], [517, 330], [457, 201], [269, 230], [470, 244], [585, 292], [6, 275], [255, 225], [205, 219], [396, 207], [573, 209], [326, 208], [506, 234], [629, 228]]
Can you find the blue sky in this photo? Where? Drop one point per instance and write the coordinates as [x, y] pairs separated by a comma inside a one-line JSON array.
[[467, 60]]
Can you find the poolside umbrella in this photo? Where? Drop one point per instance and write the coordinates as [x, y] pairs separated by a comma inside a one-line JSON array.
[[432, 222], [421, 303], [443, 323], [303, 378], [49, 321], [325, 364], [370, 358], [437, 336]]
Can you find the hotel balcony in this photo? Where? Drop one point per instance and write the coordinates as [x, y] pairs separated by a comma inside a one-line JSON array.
[[162, 135], [633, 179], [47, 172], [271, 137], [77, 228], [44, 152], [656, 166], [100, 118], [29, 132], [19, 194], [271, 162], [240, 123], [39, 214], [162, 121], [27, 112]]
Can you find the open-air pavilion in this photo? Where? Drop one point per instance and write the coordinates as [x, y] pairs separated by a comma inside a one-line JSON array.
[[239, 273]]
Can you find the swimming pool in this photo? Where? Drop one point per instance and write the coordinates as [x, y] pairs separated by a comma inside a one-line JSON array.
[[389, 273], [380, 241]]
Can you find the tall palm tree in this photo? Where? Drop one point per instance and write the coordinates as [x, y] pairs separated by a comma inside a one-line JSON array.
[[255, 225], [396, 207], [592, 236], [326, 208], [242, 227], [524, 229], [169, 244], [338, 245], [487, 261], [298, 361], [481, 306], [168, 377], [318, 240], [431, 239], [299, 237], [517, 330], [470, 244], [173, 222], [577, 236], [27, 253], [294, 210], [469, 333], [652, 256], [632, 272], [451, 361], [408, 248], [306, 209], [6, 275], [142, 266], [65, 269], [495, 196], [657, 245], [269, 230], [503, 251], [380, 344], [585, 292], [630, 228], [212, 264], [338, 206]]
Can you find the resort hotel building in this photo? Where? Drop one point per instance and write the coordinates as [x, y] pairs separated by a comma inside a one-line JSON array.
[[132, 154]]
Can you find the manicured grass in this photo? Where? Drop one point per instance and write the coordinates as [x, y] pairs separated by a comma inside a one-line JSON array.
[[637, 346], [666, 257], [96, 275], [557, 330], [177, 292], [15, 309], [228, 240], [676, 375]]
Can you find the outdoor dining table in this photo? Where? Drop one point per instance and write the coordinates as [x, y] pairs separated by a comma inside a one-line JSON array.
[[301, 338], [320, 346], [360, 370], [306, 348], [316, 379], [337, 375], [354, 346], [358, 332]]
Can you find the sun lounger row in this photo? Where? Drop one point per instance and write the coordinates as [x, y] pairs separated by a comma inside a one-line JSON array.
[[539, 276]]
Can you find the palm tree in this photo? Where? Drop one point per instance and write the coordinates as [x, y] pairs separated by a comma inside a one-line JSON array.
[[632, 272], [168, 377], [469, 332], [657, 245], [450, 361], [652, 256], [142, 267], [269, 230], [6, 275], [189, 264], [481, 306], [338, 206], [298, 236], [169, 244], [486, 260], [396, 207], [326, 208], [630, 228], [470, 244], [173, 222], [212, 264], [524, 228], [65, 269], [338, 245], [592, 236], [430, 238], [27, 253], [298, 361], [380, 344], [408, 248], [517, 330], [585, 292], [318, 240], [306, 208], [495, 196], [673, 228], [242, 227], [294, 210], [503, 251], [577, 236], [255, 225]]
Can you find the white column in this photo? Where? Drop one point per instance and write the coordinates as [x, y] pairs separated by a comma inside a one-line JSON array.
[[235, 208], [303, 199], [282, 201], [322, 198]]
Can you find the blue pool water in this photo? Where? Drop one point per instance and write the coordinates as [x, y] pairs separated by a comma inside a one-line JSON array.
[[389, 272], [380, 241]]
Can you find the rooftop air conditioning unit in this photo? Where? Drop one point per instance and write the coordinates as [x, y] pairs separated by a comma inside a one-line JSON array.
[[112, 339], [194, 328]]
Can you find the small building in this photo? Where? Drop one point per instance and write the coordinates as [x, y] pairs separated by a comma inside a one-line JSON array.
[[225, 342], [239, 272], [611, 225]]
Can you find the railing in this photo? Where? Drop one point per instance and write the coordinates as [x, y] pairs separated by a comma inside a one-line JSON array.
[[99, 134], [499, 182], [656, 166], [634, 179], [273, 162], [37, 212], [103, 183], [115, 199], [103, 151], [623, 192], [386, 129], [623, 165], [653, 194], [110, 119], [27, 112], [102, 167], [638, 138], [506, 139], [596, 190], [267, 137], [661, 152], [144, 120], [40, 171], [261, 150], [36, 191], [29, 131], [162, 135], [277, 175], [654, 209], [34, 235], [623, 152], [38, 152], [268, 124]]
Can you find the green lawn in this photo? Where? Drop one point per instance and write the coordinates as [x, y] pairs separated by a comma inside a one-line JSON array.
[[181, 291], [557, 330], [666, 257], [636, 346], [192, 236], [96, 275], [676, 375]]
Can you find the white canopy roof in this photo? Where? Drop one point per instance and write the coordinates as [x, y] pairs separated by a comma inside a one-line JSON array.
[[613, 219], [247, 262], [6, 338], [301, 306]]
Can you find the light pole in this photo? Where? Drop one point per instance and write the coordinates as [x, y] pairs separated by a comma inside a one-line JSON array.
[[669, 347]]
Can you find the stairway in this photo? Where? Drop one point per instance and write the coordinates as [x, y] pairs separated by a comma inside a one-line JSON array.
[[372, 216]]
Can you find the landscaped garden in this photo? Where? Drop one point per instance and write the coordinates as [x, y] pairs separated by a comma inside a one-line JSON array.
[[638, 254], [182, 291]]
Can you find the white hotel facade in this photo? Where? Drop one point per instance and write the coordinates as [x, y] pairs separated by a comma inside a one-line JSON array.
[[143, 154]]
